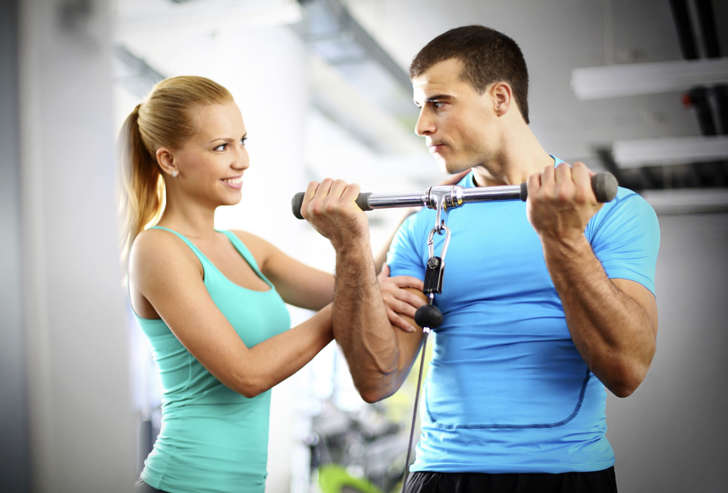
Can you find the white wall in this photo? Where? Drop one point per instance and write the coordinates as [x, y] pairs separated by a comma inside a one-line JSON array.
[[670, 435], [81, 426]]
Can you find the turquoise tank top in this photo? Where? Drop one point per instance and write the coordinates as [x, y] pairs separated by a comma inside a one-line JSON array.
[[213, 439]]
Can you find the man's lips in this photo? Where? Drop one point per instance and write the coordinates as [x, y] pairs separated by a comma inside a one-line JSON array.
[[436, 147]]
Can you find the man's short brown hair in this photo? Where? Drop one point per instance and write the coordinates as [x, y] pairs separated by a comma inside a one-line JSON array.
[[487, 55]]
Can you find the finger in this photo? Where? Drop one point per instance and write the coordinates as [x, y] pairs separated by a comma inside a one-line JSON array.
[[408, 282], [384, 273], [533, 185], [407, 304], [308, 197], [337, 189], [399, 322], [316, 206], [562, 174], [403, 308], [582, 178], [563, 183], [351, 192], [411, 299], [324, 188], [547, 177]]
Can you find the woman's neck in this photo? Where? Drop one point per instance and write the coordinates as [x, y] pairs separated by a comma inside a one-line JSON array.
[[191, 220]]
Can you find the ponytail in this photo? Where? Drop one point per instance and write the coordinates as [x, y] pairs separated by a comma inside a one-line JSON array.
[[142, 195]]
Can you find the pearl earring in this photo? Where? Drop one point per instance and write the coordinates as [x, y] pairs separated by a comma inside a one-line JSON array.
[[174, 173]]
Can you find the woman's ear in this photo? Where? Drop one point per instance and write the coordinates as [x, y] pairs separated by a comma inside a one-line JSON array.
[[165, 160]]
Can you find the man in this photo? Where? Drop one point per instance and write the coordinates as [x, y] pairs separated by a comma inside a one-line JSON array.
[[545, 303]]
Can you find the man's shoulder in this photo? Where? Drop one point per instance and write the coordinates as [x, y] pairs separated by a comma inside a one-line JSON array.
[[627, 205]]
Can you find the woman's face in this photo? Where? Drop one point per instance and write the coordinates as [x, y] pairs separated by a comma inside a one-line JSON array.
[[212, 161]]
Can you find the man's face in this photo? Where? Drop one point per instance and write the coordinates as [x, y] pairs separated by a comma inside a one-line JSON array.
[[459, 125]]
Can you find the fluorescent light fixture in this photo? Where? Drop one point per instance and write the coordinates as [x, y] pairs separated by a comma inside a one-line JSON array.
[[162, 17], [688, 200], [647, 78], [672, 150]]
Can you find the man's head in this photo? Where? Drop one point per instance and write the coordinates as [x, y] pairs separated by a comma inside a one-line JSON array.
[[487, 55], [471, 84]]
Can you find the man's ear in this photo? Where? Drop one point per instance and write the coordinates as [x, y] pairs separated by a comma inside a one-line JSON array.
[[165, 160], [502, 97]]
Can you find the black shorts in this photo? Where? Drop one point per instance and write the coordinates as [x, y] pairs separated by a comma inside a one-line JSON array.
[[467, 482]]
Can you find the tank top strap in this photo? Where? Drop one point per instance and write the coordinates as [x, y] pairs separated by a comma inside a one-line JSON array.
[[201, 256], [247, 255]]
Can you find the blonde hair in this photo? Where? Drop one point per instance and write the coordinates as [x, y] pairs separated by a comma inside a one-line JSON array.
[[163, 120]]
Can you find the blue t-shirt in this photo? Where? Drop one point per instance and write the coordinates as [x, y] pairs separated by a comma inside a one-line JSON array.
[[507, 390]]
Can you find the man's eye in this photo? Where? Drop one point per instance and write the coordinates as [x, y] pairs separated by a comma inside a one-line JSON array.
[[437, 104], [243, 140]]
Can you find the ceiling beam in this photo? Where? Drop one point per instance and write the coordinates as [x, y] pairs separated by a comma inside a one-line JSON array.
[[647, 78], [669, 150]]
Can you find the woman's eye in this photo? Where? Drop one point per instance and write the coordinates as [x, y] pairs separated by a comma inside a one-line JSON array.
[[243, 140], [221, 147]]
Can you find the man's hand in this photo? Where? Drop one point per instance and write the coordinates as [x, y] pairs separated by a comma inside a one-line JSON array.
[[398, 299], [561, 201], [331, 208]]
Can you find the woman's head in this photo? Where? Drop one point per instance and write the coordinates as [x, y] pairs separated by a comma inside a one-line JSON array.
[[151, 135]]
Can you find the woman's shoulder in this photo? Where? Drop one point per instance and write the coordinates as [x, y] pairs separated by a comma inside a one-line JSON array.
[[252, 241], [152, 242], [155, 249], [260, 248]]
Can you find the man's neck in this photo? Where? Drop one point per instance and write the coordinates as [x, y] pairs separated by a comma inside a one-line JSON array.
[[520, 157]]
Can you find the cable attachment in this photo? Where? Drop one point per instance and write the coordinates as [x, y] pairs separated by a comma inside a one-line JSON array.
[[429, 316]]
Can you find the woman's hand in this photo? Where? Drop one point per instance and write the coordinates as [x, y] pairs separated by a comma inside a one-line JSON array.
[[400, 301]]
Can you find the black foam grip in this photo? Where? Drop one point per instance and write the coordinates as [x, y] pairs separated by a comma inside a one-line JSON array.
[[428, 316], [362, 201], [604, 186]]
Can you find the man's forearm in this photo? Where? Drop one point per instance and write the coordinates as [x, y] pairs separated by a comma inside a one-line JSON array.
[[612, 332], [361, 325]]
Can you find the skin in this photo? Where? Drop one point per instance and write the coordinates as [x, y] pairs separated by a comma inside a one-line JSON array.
[[166, 278], [613, 322]]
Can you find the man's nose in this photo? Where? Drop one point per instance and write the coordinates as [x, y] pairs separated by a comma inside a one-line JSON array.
[[425, 124]]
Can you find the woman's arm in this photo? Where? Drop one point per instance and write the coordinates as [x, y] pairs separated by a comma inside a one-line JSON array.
[[297, 283], [306, 287], [166, 273]]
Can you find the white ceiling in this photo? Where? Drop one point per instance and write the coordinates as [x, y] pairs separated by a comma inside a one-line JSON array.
[[556, 37]]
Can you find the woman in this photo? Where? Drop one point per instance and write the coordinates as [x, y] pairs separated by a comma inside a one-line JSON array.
[[212, 302]]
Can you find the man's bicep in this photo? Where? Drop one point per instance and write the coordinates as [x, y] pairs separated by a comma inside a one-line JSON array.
[[404, 255], [627, 241], [643, 297]]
